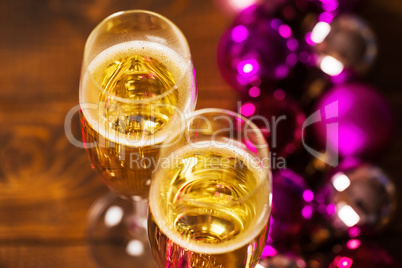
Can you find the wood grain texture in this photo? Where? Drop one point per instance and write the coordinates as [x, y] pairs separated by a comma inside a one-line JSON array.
[[47, 184]]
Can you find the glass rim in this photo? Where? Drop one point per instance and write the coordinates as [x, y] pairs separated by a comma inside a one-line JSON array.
[[187, 59]]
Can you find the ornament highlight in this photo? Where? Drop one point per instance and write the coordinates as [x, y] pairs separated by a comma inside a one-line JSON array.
[[256, 50], [357, 112]]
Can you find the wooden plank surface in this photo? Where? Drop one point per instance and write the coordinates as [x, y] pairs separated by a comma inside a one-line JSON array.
[[47, 184]]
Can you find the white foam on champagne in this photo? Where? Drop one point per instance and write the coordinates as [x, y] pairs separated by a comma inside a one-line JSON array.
[[262, 206], [90, 88]]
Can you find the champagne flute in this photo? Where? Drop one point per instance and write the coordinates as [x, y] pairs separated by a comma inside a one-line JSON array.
[[210, 199], [137, 81]]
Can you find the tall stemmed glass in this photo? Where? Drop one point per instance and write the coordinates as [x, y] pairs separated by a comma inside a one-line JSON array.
[[210, 198], [137, 81]]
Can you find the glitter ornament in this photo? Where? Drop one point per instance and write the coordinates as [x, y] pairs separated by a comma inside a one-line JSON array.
[[256, 50]]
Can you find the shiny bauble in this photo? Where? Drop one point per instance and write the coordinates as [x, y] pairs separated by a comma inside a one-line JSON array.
[[341, 6], [344, 47], [361, 254], [358, 200], [256, 50], [282, 260], [233, 7], [353, 119], [280, 120], [291, 208]]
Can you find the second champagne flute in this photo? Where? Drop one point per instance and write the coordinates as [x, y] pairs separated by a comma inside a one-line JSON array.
[[137, 81], [210, 199]]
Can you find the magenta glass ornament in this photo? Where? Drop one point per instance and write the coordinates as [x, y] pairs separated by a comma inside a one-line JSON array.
[[256, 50], [361, 254], [280, 119], [350, 5], [291, 208], [343, 47], [354, 119], [358, 200]]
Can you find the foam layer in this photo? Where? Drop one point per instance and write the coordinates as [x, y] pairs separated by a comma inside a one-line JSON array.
[[90, 88]]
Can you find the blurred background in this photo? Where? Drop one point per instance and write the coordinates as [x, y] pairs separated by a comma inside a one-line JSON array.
[[47, 185]]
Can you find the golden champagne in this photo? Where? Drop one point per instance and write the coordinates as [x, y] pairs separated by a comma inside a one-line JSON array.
[[209, 208], [140, 88]]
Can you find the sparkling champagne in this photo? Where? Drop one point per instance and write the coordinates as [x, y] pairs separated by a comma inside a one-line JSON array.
[[139, 88], [209, 208]]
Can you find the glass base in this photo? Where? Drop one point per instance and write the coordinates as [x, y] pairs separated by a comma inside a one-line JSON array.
[[117, 233]]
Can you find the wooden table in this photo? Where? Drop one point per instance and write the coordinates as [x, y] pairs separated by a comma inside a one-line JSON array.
[[47, 184]]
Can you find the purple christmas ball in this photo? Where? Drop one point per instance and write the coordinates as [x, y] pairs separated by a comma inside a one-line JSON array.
[[291, 208], [299, 14], [358, 199], [353, 120], [256, 50], [236, 6], [343, 47], [350, 5], [279, 117], [361, 254]]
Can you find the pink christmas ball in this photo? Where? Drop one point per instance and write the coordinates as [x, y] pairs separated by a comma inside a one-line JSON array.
[[256, 50], [353, 120], [343, 47], [336, 6], [276, 259]]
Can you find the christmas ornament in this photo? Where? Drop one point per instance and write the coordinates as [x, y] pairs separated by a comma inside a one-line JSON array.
[[358, 199], [361, 254], [344, 46], [353, 120], [236, 6], [273, 259], [340, 6], [256, 50], [291, 208], [280, 119]]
